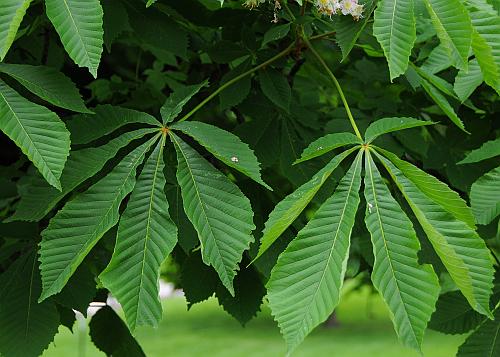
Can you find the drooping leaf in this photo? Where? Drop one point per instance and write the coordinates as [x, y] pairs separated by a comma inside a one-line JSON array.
[[11, 15], [79, 25], [485, 341], [110, 335], [485, 197], [434, 189], [107, 118], [488, 150], [177, 100], [305, 283], [80, 290], [225, 146], [275, 87], [326, 144], [38, 132], [146, 236], [467, 81], [48, 84], [453, 27], [219, 211], [409, 289], [79, 225], [199, 281], [39, 198], [394, 28], [389, 125], [26, 326], [462, 251], [288, 209]]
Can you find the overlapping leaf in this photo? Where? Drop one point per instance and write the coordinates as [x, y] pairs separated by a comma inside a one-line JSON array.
[[485, 341], [326, 144], [488, 150], [146, 235], [389, 125], [177, 100], [467, 81], [305, 284], [11, 15], [485, 197]]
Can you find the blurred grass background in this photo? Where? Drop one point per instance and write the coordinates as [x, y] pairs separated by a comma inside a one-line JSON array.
[[364, 329]]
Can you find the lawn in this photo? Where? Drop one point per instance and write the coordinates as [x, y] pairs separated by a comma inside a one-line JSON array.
[[364, 330]]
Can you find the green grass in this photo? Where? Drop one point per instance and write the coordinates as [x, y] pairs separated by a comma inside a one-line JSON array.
[[365, 330]]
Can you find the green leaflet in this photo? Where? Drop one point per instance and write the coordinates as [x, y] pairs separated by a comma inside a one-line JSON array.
[[26, 327], [275, 87], [389, 125], [453, 27], [11, 15], [462, 251], [38, 132], [79, 25], [485, 341], [488, 150], [326, 144], [485, 197], [438, 60], [39, 198], [79, 225], [146, 235], [467, 81], [48, 84], [86, 128], [305, 283], [275, 33], [409, 289], [225, 146], [434, 189], [288, 209], [219, 211], [177, 100], [394, 28]]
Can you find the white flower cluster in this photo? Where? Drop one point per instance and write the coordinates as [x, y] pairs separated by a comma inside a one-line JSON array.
[[253, 3], [346, 7]]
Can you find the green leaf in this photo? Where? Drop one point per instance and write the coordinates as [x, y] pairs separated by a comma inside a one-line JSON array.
[[79, 225], [219, 211], [488, 150], [453, 27], [466, 82], [150, 2], [11, 13], [80, 290], [442, 103], [26, 327], [389, 125], [288, 209], [485, 197], [394, 28], [79, 25], [485, 341], [275, 87], [146, 236], [434, 189], [326, 144], [486, 25], [174, 104], [48, 84], [225, 146], [462, 251], [306, 282], [438, 60], [409, 289], [199, 281], [87, 128], [236, 92], [110, 335], [39, 198], [348, 31], [275, 33], [454, 315], [38, 132]]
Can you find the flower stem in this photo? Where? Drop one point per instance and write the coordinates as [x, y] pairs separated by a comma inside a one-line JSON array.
[[283, 53], [337, 85]]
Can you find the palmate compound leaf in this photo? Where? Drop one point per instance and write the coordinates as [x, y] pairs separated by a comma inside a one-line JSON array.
[[79, 25], [26, 327], [326, 144], [11, 15], [38, 132], [485, 197], [225, 146], [146, 235], [484, 341], [219, 211], [409, 289], [460, 248], [305, 283], [288, 209], [394, 28], [39, 198], [79, 225]]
